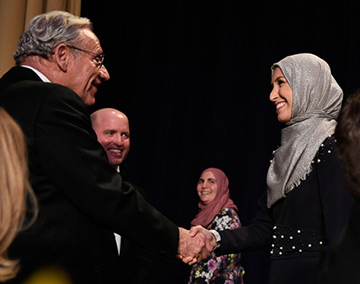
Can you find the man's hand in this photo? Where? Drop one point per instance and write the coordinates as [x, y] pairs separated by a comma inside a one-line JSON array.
[[195, 245], [192, 249], [210, 241]]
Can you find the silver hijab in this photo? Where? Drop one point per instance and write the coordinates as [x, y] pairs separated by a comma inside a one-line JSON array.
[[317, 101]]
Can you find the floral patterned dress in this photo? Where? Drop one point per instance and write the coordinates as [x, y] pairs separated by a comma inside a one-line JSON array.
[[219, 269]]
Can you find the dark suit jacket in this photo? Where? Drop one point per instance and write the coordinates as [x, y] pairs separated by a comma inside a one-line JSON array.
[[82, 199], [135, 259]]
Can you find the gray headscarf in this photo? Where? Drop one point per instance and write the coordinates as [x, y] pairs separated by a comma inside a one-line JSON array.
[[317, 101]]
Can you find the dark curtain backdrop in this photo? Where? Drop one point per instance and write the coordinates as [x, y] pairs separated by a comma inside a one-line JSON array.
[[194, 79]]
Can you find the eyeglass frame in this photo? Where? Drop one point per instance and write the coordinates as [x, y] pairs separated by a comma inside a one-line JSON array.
[[97, 55]]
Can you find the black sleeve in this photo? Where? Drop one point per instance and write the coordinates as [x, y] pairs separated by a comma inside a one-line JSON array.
[[70, 155], [253, 236]]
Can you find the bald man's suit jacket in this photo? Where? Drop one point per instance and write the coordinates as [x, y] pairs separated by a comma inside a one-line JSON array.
[[82, 199]]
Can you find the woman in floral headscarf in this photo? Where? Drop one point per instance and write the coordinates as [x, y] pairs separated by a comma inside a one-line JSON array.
[[216, 211]]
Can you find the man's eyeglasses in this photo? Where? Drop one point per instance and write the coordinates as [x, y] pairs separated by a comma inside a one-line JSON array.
[[98, 57]]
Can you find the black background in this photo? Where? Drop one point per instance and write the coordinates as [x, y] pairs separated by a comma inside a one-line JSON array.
[[194, 79]]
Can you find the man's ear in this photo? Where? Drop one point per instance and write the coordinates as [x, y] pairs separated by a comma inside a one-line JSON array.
[[62, 56]]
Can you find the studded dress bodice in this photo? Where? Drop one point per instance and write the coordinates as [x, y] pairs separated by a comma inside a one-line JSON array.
[[299, 220], [299, 228], [307, 221], [304, 215]]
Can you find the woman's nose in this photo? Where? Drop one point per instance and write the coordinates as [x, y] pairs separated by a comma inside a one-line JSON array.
[[273, 94]]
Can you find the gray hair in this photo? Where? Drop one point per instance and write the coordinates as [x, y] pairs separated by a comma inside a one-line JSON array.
[[48, 30]]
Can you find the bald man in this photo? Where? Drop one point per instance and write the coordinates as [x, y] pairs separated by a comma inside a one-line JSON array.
[[113, 133]]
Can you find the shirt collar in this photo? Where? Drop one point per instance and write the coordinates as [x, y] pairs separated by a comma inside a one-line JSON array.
[[41, 75]]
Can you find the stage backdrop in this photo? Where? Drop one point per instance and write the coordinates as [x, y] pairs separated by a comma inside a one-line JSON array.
[[194, 79]]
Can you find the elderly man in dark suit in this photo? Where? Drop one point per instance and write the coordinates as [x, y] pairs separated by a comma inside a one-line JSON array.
[[82, 199]]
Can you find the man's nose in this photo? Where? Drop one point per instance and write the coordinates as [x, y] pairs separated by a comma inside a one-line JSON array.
[[104, 74], [118, 139]]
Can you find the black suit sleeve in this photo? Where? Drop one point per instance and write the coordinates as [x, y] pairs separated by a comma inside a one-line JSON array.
[[70, 155]]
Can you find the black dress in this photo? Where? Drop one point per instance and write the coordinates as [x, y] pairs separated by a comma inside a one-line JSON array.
[[301, 227]]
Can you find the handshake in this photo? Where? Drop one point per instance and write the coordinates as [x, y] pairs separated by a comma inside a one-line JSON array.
[[195, 245]]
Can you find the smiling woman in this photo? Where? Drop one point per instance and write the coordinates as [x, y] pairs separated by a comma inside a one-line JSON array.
[[218, 212], [307, 203], [281, 96], [207, 187]]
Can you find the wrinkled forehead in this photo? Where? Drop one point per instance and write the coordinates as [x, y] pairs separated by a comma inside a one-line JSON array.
[[90, 40]]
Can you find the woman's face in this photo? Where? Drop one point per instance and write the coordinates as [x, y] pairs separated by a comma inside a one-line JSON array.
[[281, 95], [207, 187]]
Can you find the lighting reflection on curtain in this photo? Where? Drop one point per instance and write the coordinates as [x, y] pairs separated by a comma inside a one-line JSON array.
[[14, 17]]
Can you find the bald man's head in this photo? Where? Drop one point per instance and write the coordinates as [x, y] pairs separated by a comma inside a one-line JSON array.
[[113, 133]]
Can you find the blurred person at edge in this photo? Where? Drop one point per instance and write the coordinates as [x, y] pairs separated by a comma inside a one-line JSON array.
[[343, 263], [18, 205]]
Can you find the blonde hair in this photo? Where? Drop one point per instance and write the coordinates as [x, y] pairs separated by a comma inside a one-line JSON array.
[[15, 190]]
